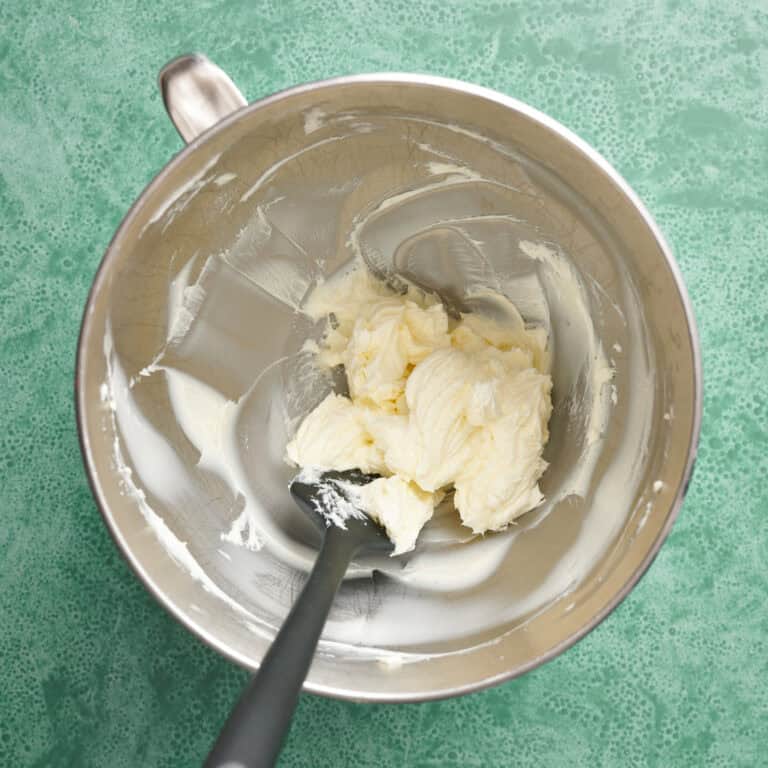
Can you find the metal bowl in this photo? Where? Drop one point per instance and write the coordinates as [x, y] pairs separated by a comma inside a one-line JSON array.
[[306, 161]]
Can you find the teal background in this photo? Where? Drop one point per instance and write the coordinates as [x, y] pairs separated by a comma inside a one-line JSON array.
[[673, 93]]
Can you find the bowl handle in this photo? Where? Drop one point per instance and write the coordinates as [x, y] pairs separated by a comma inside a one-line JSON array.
[[197, 94]]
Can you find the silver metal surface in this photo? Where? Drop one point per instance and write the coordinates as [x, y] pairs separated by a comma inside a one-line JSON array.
[[202, 201], [197, 94]]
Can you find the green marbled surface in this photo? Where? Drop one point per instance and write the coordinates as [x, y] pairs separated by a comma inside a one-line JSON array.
[[674, 93]]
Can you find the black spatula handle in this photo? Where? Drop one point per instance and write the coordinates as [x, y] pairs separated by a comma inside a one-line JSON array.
[[254, 733]]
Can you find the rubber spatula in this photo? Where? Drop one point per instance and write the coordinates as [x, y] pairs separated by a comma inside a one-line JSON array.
[[254, 733]]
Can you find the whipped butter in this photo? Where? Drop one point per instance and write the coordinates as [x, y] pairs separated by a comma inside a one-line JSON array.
[[436, 404]]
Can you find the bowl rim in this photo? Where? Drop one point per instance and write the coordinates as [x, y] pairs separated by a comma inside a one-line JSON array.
[[388, 78]]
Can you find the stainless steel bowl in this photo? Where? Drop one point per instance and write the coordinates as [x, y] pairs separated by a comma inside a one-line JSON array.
[[312, 157]]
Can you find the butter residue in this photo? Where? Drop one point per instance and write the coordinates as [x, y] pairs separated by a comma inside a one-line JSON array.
[[570, 291], [434, 404]]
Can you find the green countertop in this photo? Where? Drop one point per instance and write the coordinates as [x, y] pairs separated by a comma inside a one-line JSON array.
[[673, 93]]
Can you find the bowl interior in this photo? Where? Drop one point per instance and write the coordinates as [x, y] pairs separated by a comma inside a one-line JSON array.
[[192, 375]]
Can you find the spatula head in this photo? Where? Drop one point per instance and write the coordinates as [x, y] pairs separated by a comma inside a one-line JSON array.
[[329, 499]]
